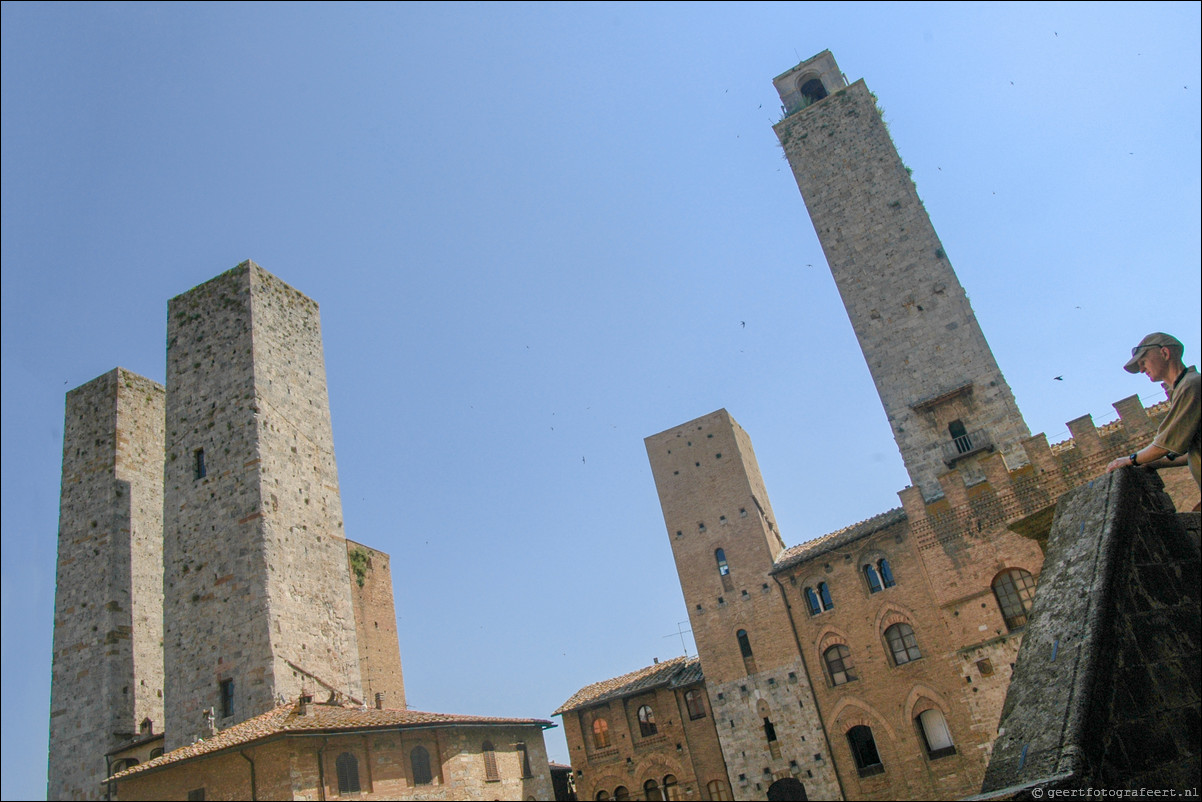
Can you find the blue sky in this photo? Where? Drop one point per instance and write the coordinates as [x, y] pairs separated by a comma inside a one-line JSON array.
[[535, 232]]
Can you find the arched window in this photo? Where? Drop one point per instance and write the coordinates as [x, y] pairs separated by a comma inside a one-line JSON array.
[[719, 790], [935, 734], [602, 796], [651, 792], [744, 643], [874, 581], [419, 761], [863, 750], [886, 573], [490, 761], [902, 643], [156, 752], [347, 766], [600, 733], [838, 664], [621, 794], [671, 789], [813, 91], [720, 558], [812, 602], [647, 721], [824, 593], [695, 704], [1015, 591]]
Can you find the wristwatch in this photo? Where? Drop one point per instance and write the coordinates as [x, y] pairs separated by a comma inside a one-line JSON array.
[[1134, 458]]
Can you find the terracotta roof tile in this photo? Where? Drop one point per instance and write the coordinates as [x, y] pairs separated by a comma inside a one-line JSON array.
[[287, 719], [675, 672], [840, 537]]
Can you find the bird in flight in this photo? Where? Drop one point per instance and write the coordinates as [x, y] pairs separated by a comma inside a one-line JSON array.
[[1058, 379]]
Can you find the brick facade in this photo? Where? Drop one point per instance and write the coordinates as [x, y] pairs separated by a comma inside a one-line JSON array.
[[375, 625]]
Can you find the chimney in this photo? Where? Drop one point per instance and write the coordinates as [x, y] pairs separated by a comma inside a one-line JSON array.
[[380, 700]]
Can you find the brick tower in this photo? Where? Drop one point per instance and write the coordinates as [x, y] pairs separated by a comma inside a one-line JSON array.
[[945, 397], [725, 543], [257, 587], [107, 675]]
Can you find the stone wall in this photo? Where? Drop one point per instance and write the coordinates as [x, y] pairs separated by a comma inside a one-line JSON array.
[[375, 626], [1106, 688], [257, 588], [107, 674]]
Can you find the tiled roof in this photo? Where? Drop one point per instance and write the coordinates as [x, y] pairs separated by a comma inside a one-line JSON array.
[[675, 672], [287, 719], [841, 537]]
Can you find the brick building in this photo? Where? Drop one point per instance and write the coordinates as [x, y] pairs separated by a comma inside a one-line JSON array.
[[205, 584], [647, 734], [873, 662]]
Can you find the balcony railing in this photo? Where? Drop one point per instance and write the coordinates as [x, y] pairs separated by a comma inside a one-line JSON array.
[[965, 446]]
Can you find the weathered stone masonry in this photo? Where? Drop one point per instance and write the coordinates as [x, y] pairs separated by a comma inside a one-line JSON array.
[[107, 675]]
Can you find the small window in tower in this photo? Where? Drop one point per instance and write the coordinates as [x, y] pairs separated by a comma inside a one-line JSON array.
[[198, 463], [720, 558], [227, 698], [647, 726], [695, 705], [524, 759], [960, 436], [744, 643]]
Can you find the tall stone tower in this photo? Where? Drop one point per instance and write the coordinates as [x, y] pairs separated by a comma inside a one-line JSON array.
[[257, 598], [945, 397], [725, 543], [107, 675]]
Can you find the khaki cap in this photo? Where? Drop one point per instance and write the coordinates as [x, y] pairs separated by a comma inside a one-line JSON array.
[[1157, 339]]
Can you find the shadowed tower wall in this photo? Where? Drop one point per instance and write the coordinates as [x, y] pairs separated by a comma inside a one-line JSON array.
[[713, 498], [107, 674], [257, 587], [945, 397]]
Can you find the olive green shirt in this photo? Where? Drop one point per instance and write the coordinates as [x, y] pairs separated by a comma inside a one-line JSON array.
[[1180, 431]]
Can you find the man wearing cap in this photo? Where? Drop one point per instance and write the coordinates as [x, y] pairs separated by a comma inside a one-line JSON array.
[[1179, 438]]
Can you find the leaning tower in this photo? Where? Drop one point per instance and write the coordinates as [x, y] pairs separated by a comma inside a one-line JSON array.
[[945, 397], [257, 598]]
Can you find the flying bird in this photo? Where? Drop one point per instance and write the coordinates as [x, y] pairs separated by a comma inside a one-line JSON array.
[[1058, 379], [743, 323]]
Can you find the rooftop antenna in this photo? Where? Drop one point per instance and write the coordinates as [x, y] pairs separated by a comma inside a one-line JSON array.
[[680, 633]]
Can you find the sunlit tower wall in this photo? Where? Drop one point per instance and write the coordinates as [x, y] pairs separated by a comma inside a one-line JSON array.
[[725, 543], [107, 672], [945, 397], [257, 588]]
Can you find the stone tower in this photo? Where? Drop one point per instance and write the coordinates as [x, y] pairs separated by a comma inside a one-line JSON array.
[[725, 543], [257, 594], [945, 397], [107, 675]]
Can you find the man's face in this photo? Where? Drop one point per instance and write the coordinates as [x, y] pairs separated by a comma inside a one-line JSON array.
[[1154, 363]]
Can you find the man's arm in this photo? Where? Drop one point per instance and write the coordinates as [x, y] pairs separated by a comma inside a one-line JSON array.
[[1152, 456]]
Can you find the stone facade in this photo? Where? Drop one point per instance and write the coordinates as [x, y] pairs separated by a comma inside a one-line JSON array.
[[257, 587], [945, 397], [107, 674], [647, 732], [375, 625]]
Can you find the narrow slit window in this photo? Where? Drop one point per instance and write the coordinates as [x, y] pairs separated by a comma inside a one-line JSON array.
[[227, 698], [720, 558], [490, 761], [198, 464]]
